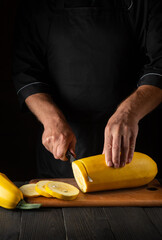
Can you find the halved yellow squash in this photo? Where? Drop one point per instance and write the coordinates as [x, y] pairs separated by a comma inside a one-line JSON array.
[[139, 172]]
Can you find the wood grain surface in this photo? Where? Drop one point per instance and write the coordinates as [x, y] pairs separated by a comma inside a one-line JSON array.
[[148, 195], [88, 223]]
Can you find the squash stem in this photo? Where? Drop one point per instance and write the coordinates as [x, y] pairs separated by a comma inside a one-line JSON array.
[[27, 206]]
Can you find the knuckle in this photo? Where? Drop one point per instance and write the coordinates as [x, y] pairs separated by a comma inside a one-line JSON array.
[[62, 137], [134, 133], [45, 144], [132, 147], [55, 155], [116, 146], [125, 127], [47, 140], [107, 128], [109, 147], [125, 148], [116, 160], [58, 155]]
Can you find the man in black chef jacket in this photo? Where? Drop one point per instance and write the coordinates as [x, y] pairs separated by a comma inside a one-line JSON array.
[[89, 71]]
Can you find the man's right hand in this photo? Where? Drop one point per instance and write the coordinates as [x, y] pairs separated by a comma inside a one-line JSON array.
[[58, 138]]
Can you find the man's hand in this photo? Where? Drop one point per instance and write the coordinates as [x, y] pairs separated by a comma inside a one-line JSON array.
[[58, 138], [120, 137], [122, 128]]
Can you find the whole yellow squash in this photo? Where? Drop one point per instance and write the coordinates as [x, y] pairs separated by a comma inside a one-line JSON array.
[[10, 194]]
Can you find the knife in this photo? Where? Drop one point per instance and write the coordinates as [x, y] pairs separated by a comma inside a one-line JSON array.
[[71, 158]]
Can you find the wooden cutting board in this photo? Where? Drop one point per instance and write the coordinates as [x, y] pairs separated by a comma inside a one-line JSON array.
[[148, 195]]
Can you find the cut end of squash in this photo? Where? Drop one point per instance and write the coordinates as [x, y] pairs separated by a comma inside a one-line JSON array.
[[80, 175], [28, 190], [62, 190], [40, 188]]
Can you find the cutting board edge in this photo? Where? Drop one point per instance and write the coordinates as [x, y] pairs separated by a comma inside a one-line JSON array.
[[101, 204], [92, 200]]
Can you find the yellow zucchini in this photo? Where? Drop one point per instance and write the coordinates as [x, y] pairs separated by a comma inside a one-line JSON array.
[[10, 194], [139, 172]]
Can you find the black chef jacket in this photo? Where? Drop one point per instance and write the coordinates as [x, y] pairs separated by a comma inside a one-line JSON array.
[[87, 62]]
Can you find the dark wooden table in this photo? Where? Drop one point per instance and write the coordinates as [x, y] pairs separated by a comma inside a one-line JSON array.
[[112, 223]]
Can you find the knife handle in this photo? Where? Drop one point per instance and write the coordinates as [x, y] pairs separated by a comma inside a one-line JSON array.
[[70, 156]]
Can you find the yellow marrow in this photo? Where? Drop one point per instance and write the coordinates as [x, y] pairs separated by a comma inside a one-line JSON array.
[[10, 194], [139, 172]]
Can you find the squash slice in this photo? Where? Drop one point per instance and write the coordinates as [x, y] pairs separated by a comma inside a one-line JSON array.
[[62, 190], [40, 188], [140, 171], [28, 190]]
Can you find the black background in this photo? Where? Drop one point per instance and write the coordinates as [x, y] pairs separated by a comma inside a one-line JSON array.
[[18, 131]]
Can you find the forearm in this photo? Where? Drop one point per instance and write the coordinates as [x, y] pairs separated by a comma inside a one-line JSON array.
[[122, 128], [57, 136], [43, 107], [141, 102]]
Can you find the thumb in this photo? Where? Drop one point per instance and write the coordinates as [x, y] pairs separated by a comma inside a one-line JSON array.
[[103, 152]]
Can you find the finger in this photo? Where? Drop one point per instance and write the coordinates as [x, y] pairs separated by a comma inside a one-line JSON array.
[[124, 150], [60, 152], [116, 146], [108, 151], [51, 145], [47, 142], [60, 147], [132, 143]]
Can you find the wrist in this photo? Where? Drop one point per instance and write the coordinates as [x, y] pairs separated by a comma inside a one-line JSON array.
[[125, 109], [53, 119], [44, 109]]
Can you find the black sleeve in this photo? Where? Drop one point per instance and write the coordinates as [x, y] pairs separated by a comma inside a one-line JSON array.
[[151, 73], [29, 53]]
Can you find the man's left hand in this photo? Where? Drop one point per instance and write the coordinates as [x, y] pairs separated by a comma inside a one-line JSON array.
[[120, 139]]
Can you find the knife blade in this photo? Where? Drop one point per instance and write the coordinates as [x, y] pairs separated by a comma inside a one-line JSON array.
[[71, 158]]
